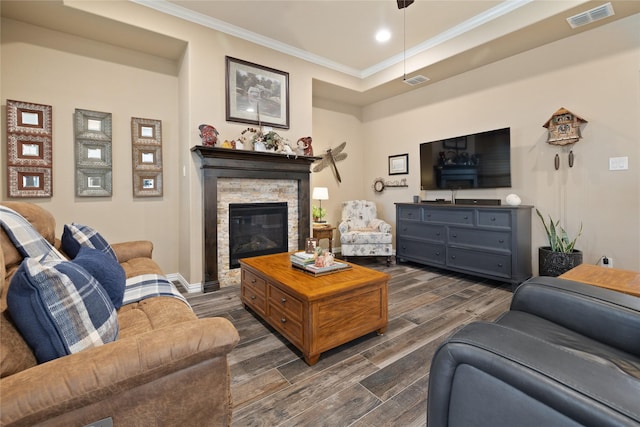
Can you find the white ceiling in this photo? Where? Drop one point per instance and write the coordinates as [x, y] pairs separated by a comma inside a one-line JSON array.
[[437, 39]]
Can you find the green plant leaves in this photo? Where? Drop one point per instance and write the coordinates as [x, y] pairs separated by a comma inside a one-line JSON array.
[[557, 236]]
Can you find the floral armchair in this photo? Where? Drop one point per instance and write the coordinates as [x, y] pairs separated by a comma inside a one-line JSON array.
[[362, 233]]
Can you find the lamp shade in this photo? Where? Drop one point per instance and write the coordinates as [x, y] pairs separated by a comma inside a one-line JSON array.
[[320, 193]]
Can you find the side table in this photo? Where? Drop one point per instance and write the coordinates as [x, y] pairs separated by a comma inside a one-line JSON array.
[[324, 232], [611, 278]]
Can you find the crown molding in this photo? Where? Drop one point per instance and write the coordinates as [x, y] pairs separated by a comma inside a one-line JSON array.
[[235, 31]]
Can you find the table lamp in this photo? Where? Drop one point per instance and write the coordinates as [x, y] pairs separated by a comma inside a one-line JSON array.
[[320, 193]]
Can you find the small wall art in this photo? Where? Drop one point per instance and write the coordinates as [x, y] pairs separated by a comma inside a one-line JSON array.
[[29, 149], [146, 149], [399, 164], [93, 131]]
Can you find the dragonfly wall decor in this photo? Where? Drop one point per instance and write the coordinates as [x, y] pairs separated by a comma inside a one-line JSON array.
[[330, 158]]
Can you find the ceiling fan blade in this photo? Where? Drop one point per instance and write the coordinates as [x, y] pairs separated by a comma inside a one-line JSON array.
[[404, 3]]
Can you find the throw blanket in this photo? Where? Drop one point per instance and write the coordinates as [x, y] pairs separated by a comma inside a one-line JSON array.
[[24, 237], [31, 244], [149, 285]]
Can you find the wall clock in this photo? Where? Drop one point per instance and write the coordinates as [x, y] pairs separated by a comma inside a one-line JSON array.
[[378, 185], [563, 127]]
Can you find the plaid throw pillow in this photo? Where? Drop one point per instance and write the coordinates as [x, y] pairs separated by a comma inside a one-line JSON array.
[[76, 235], [59, 308]]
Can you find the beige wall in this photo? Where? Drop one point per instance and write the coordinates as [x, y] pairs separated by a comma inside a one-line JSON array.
[[595, 75], [66, 72], [521, 92]]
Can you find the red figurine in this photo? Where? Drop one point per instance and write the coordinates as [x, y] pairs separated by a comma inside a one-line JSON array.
[[209, 135]]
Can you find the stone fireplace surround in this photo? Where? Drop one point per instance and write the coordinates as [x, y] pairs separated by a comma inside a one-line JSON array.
[[223, 171]]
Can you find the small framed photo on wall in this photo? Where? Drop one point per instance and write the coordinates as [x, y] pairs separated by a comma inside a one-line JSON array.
[[399, 164]]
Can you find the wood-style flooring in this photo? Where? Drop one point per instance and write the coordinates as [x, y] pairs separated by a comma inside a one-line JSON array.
[[371, 381]]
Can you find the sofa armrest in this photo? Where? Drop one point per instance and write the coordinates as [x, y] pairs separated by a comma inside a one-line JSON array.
[[92, 376], [487, 374], [126, 251], [601, 314], [343, 227]]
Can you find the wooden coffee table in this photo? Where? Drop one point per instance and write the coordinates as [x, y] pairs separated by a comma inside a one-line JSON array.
[[315, 313], [611, 278]]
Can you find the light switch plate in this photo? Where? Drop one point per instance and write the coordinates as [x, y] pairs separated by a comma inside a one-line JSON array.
[[618, 163]]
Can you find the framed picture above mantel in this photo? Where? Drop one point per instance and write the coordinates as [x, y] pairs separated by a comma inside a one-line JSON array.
[[256, 94]]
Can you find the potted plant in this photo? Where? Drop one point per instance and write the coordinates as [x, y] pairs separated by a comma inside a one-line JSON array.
[[318, 213], [560, 256]]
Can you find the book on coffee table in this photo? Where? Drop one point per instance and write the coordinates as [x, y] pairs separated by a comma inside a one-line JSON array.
[[319, 271]]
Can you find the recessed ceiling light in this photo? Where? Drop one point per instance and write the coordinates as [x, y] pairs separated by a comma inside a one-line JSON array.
[[383, 35]]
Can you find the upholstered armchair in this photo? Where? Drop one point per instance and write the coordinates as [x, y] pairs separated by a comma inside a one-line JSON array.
[[362, 233]]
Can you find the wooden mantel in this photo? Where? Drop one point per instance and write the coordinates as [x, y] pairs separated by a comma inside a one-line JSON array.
[[228, 163]]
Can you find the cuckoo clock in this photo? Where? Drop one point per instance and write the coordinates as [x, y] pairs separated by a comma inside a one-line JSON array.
[[564, 129]]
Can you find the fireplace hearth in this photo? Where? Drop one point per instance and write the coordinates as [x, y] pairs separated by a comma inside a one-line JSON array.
[[256, 229]]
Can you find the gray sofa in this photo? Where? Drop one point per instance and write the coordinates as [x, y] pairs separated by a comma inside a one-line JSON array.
[[565, 354]]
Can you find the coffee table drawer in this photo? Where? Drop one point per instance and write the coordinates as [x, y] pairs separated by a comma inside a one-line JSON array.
[[254, 299], [287, 325], [257, 283], [285, 302]]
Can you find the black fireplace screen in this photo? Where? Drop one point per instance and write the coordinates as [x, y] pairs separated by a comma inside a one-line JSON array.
[[256, 229]]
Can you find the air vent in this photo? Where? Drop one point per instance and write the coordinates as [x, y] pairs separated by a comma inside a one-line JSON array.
[[416, 80], [593, 15]]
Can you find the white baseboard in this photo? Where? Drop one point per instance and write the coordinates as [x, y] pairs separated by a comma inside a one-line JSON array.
[[190, 288]]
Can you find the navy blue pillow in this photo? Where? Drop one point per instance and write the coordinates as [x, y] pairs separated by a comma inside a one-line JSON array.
[[106, 270], [76, 235], [59, 308]]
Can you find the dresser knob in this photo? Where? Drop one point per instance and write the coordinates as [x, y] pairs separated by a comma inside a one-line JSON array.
[[253, 280], [252, 297], [283, 300], [501, 241], [438, 233], [454, 235], [466, 217], [453, 257], [500, 264], [493, 218], [283, 320], [438, 253]]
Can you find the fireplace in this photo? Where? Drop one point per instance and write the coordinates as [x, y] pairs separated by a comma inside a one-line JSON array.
[[256, 229], [220, 164]]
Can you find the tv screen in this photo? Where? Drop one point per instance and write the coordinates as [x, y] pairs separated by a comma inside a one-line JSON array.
[[479, 160]]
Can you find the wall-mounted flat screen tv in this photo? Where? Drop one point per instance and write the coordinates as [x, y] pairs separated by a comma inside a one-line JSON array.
[[479, 160]]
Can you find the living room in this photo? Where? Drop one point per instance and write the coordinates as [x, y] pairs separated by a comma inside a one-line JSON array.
[[130, 60], [187, 89]]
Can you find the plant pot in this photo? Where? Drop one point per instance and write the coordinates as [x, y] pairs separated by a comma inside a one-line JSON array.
[[553, 264]]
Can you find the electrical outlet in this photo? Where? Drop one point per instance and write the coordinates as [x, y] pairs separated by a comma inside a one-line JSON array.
[[618, 163], [606, 261]]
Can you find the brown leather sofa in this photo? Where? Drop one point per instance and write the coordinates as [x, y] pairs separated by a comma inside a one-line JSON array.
[[167, 367]]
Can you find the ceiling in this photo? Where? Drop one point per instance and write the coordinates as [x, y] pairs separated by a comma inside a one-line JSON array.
[[436, 39]]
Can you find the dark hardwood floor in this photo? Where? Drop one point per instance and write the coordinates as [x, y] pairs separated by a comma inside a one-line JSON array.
[[371, 381]]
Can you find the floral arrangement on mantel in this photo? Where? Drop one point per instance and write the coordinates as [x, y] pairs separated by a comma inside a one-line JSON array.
[[256, 139]]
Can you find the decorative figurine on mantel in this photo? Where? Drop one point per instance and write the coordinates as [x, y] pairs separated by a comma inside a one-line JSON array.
[[209, 135], [564, 129], [304, 146]]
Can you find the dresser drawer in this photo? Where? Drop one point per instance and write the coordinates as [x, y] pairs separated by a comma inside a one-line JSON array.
[[421, 231], [285, 302], [449, 216], [499, 240], [479, 261], [409, 212], [418, 250], [496, 218], [287, 325]]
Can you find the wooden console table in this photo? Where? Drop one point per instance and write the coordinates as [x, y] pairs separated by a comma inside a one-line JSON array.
[[611, 278]]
